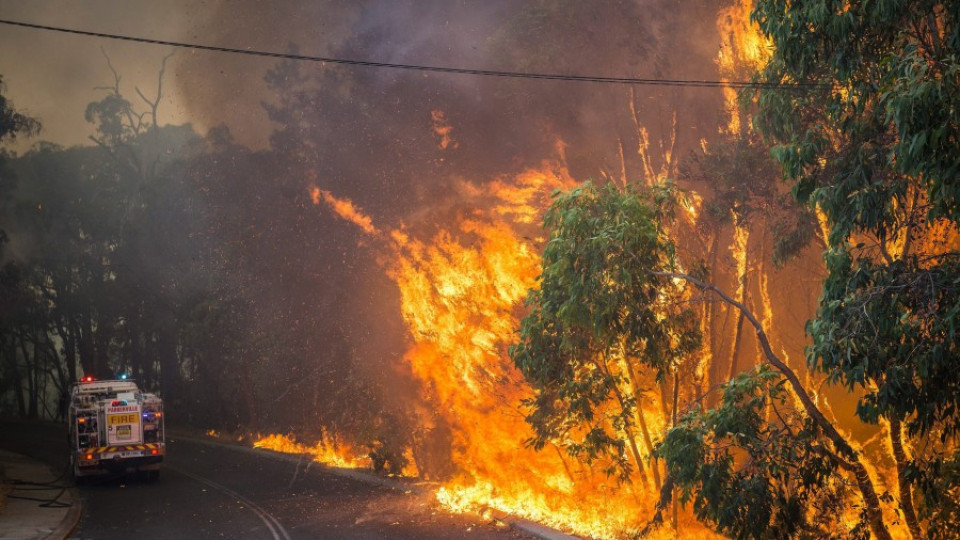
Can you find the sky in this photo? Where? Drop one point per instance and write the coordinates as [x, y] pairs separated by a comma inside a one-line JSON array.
[[53, 76]]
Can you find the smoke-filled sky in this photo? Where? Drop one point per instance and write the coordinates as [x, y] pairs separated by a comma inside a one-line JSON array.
[[52, 76]]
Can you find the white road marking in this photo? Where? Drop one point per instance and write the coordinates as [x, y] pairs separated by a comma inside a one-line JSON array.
[[276, 529]]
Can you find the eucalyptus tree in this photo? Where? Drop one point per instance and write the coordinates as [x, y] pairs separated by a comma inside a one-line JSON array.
[[614, 304], [600, 323], [870, 139]]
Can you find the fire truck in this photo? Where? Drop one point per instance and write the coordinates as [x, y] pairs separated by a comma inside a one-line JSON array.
[[114, 427]]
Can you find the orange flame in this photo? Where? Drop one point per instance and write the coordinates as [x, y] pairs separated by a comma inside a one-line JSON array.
[[345, 209], [442, 129], [340, 455], [743, 51], [460, 296]]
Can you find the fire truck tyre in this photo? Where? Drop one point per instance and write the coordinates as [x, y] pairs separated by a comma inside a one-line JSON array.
[[77, 478], [152, 476]]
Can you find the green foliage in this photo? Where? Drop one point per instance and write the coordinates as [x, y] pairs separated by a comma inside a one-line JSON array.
[[871, 140], [881, 109], [873, 145], [754, 467], [600, 301], [939, 502], [892, 330]]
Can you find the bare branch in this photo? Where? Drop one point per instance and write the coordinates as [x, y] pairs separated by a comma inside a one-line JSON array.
[[116, 75], [143, 97]]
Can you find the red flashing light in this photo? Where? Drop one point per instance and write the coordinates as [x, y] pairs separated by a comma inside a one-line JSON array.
[[81, 420], [159, 414], [87, 378], [88, 456]]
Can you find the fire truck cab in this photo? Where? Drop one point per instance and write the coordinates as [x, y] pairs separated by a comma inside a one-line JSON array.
[[114, 427]]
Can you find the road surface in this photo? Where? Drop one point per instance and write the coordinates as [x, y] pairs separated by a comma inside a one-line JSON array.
[[217, 491]]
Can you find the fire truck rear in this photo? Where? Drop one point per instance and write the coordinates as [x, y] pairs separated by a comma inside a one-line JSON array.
[[114, 427]]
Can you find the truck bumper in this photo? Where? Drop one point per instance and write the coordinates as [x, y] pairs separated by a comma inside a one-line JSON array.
[[128, 465], [121, 459]]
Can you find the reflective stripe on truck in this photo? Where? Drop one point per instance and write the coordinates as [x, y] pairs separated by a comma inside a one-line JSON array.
[[104, 452]]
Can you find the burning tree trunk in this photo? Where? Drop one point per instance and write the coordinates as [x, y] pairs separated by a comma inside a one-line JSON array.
[[903, 484], [641, 418], [624, 413], [741, 253]]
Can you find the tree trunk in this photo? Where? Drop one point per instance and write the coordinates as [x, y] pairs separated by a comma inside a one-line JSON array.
[[140, 361], [83, 331], [641, 418], [9, 351], [631, 438], [149, 361], [676, 403], [566, 466], [250, 395], [906, 496], [69, 348], [738, 334], [716, 344], [744, 284], [101, 344], [30, 367]]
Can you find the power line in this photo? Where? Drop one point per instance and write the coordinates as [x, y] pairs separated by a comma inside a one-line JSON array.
[[434, 69]]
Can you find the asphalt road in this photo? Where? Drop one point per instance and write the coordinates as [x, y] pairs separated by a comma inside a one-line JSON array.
[[216, 491]]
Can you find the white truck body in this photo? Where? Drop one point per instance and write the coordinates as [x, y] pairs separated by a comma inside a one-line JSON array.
[[114, 427]]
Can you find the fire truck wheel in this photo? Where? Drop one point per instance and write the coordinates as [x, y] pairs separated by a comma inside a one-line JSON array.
[[77, 478], [152, 476]]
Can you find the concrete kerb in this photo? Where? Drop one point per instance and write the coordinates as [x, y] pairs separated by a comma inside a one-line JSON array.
[[71, 520], [532, 528]]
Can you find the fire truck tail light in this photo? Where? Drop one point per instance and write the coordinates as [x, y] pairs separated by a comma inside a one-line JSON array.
[[154, 452], [81, 420], [88, 456]]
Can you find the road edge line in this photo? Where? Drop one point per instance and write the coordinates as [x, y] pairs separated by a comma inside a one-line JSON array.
[[276, 529]]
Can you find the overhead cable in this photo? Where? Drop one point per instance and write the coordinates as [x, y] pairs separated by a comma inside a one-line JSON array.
[[700, 83]]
